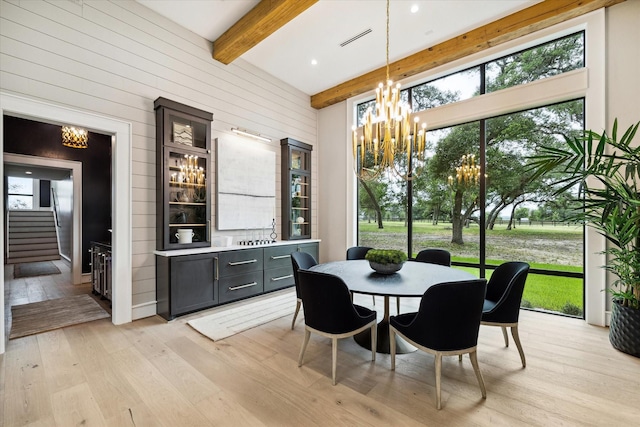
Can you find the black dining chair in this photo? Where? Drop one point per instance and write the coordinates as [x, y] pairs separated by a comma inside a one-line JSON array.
[[329, 312], [435, 256], [504, 296], [359, 252], [446, 324], [300, 260]]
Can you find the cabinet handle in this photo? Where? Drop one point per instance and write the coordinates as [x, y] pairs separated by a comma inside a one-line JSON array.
[[275, 279], [248, 285], [215, 260], [281, 257], [250, 261]]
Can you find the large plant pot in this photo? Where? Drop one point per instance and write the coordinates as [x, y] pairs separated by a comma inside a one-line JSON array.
[[624, 330]]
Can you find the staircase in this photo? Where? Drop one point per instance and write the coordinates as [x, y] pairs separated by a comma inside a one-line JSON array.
[[32, 237]]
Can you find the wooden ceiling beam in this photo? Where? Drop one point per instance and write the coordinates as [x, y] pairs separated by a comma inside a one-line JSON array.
[[518, 24], [259, 23]]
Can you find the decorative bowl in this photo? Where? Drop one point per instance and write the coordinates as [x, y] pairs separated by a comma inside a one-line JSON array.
[[385, 268]]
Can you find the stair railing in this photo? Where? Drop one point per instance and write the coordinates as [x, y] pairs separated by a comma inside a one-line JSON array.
[[6, 235], [55, 207]]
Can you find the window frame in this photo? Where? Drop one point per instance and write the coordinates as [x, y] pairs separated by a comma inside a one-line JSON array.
[[587, 82]]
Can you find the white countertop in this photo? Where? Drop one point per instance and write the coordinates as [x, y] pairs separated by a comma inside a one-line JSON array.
[[195, 251]]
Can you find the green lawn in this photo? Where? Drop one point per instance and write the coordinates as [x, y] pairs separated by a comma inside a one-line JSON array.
[[545, 247]]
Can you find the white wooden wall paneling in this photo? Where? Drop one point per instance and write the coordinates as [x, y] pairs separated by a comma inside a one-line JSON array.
[[115, 58]]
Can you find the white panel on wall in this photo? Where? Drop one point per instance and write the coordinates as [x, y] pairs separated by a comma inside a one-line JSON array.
[[246, 189]]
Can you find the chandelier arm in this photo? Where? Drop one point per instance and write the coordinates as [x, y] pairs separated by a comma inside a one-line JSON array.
[[388, 2]]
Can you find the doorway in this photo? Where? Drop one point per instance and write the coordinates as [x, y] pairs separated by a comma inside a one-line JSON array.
[[121, 208], [46, 168]]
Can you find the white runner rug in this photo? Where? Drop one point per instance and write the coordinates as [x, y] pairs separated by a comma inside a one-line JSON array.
[[234, 318]]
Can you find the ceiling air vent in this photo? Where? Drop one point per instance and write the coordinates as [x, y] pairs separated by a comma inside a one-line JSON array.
[[356, 37]]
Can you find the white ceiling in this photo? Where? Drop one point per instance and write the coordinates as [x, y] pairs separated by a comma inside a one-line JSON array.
[[318, 32]]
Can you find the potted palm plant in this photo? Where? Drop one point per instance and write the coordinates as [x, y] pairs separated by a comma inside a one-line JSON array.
[[606, 169]]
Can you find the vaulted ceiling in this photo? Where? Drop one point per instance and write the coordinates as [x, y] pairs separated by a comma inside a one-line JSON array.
[[336, 49]]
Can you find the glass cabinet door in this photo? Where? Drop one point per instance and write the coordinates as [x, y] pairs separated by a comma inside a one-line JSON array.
[[296, 189], [188, 190], [186, 130], [300, 208]]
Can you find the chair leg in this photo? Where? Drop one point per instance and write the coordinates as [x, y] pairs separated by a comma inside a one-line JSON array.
[[374, 339], [398, 304], [334, 358], [351, 296], [459, 358], [516, 339], [373, 297], [506, 337], [438, 373], [295, 314], [305, 341], [474, 361], [392, 345]]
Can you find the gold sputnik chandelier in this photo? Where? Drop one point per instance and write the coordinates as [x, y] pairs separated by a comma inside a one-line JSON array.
[[388, 137], [468, 173], [74, 137]]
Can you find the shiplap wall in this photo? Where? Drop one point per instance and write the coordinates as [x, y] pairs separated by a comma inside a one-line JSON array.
[[114, 58]]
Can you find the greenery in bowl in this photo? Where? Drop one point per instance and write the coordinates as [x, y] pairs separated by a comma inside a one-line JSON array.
[[386, 256]]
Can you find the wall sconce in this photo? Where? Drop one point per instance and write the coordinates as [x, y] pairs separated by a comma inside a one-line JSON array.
[[74, 137], [250, 134]]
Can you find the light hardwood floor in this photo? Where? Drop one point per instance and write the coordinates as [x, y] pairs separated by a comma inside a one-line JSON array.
[[157, 373]]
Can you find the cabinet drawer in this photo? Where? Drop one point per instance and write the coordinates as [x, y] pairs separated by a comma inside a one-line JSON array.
[[279, 256], [240, 286], [278, 278], [241, 261]]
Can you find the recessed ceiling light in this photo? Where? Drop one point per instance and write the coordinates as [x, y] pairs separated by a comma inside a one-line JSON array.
[[314, 62], [28, 172], [415, 8]]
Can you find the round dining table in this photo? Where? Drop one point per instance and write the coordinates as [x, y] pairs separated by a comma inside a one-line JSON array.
[[411, 281]]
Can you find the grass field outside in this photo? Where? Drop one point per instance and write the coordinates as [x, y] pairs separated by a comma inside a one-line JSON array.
[[548, 247]]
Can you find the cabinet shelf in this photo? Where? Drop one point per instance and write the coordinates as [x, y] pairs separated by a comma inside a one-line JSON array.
[[186, 225], [188, 203], [300, 209], [185, 184]]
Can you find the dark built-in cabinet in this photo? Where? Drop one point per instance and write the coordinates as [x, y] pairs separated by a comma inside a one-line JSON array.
[[188, 283], [183, 159], [296, 189]]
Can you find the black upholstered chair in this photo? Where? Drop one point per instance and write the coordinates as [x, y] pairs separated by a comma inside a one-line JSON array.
[[329, 312], [446, 324], [502, 302], [435, 256], [359, 252], [300, 260]]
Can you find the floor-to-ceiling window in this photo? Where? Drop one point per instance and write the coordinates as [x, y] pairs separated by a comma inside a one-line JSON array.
[[499, 215]]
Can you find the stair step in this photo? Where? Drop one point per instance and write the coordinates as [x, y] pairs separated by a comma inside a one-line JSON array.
[[32, 246], [31, 218], [30, 213], [38, 239], [35, 235], [32, 259], [24, 224], [14, 254]]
